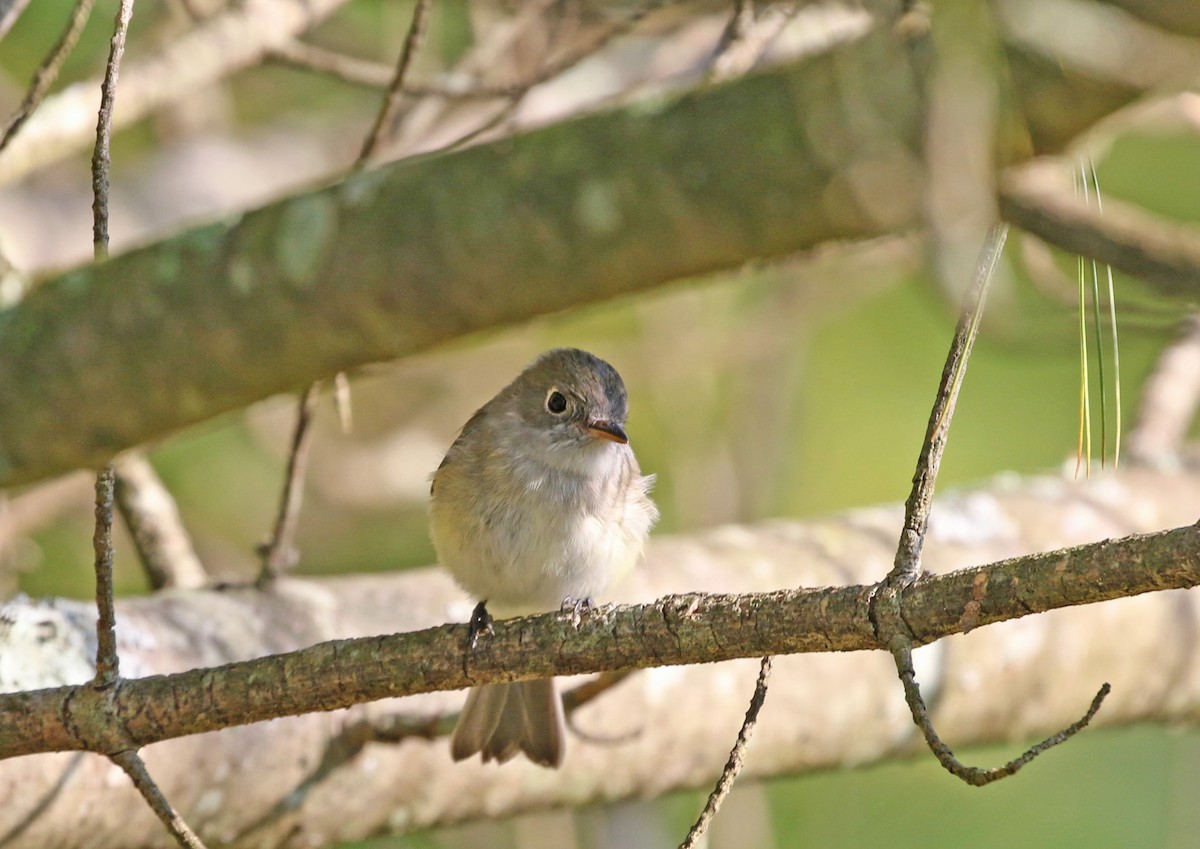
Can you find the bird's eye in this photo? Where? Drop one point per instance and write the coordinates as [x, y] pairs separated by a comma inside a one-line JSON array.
[[556, 402]]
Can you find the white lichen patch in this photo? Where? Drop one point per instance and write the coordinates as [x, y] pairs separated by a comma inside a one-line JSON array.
[[597, 208], [305, 233]]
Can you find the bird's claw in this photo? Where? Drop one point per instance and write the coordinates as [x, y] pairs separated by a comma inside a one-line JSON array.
[[481, 623], [578, 607]]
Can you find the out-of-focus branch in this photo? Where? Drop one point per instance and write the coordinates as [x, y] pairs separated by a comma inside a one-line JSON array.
[[1170, 398], [10, 10], [410, 255], [48, 72], [1039, 198], [236, 38], [163, 544]]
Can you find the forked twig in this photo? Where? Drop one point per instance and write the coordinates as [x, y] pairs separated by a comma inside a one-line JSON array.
[[885, 610], [973, 775], [736, 759], [107, 660]]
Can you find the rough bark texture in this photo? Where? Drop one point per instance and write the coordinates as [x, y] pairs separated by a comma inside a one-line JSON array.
[[1014, 679]]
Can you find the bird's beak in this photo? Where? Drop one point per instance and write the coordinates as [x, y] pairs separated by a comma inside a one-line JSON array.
[[611, 431]]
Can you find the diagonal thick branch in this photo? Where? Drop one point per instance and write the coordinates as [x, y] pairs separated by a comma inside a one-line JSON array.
[[680, 629], [414, 254]]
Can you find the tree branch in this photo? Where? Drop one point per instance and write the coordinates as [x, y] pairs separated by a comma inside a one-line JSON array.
[[681, 629], [237, 38], [656, 712], [414, 254], [1165, 254]]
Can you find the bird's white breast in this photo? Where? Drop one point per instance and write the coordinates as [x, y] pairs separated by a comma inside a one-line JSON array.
[[542, 532]]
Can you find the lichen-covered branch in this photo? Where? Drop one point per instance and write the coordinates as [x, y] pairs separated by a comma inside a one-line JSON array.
[[678, 629]]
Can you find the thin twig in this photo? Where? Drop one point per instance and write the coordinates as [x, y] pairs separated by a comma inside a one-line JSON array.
[[153, 519], [321, 60], [48, 72], [977, 776], [130, 761], [279, 552], [885, 610], [108, 671], [100, 156], [920, 500], [107, 662], [391, 103], [514, 93], [736, 759]]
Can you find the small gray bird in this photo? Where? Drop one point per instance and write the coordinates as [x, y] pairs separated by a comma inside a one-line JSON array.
[[539, 501]]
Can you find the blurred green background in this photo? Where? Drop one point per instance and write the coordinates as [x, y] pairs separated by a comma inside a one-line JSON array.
[[795, 390]]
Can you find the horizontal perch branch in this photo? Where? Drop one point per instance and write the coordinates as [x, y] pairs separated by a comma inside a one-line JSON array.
[[680, 629]]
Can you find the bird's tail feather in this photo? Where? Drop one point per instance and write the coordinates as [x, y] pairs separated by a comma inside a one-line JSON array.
[[500, 720]]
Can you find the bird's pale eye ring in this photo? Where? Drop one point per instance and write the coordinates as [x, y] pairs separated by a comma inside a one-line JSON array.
[[556, 402]]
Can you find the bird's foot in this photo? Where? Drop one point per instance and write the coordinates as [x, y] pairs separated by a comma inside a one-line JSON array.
[[578, 607], [481, 623]]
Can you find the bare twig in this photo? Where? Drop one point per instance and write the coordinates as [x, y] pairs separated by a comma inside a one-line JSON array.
[[580, 695], [153, 519], [279, 553], [107, 662], [736, 759], [48, 72], [1169, 400], [886, 612], [100, 156], [391, 103], [920, 500], [108, 672], [230, 41], [321, 60], [514, 93], [135, 768], [977, 776]]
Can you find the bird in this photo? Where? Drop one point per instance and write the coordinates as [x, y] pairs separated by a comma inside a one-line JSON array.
[[538, 504]]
